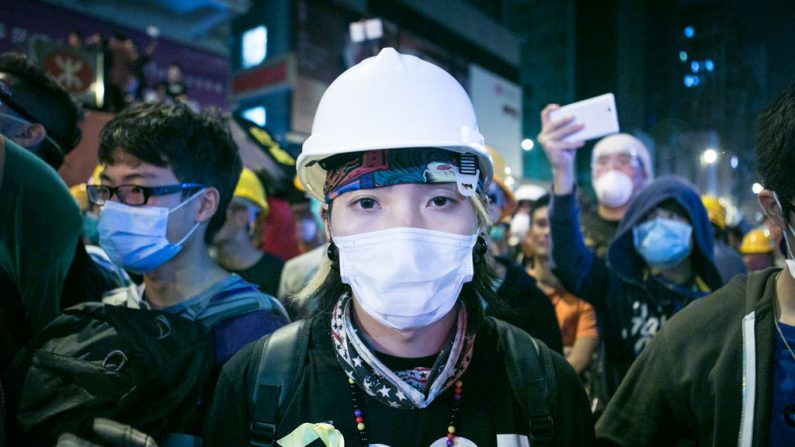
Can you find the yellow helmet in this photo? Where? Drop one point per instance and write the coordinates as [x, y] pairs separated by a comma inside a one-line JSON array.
[[94, 179], [757, 241], [715, 211], [80, 195], [249, 187], [297, 184]]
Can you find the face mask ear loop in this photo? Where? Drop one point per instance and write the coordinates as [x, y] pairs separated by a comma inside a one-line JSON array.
[[196, 225], [192, 230], [788, 229], [332, 252], [184, 202]]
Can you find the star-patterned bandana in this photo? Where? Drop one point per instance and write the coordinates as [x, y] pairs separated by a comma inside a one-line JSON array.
[[369, 374]]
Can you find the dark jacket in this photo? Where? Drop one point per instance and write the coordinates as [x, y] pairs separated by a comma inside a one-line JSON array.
[[706, 377], [321, 393], [631, 305], [526, 306]]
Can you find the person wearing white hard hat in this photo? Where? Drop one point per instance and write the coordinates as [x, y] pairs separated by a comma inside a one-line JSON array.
[[398, 351], [620, 167]]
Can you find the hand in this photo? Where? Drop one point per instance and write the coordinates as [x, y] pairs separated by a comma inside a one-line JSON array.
[[560, 153]]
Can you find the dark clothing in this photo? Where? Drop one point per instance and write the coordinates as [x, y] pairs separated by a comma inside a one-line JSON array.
[[598, 232], [489, 410], [265, 273], [728, 261], [40, 226], [631, 305], [86, 281], [232, 310], [706, 377], [528, 308], [174, 90]]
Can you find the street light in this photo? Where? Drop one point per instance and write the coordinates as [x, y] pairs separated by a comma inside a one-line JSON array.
[[709, 156], [527, 144], [756, 188]]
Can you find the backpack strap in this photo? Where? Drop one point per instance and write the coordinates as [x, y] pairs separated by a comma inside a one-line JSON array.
[[282, 357], [532, 378]]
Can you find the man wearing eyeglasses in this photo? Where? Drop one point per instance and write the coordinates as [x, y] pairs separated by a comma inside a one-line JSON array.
[[620, 168], [167, 180]]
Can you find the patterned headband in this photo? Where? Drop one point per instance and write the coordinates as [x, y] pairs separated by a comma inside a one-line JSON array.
[[388, 167]]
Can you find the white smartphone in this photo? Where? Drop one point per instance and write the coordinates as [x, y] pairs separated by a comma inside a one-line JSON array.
[[597, 113]]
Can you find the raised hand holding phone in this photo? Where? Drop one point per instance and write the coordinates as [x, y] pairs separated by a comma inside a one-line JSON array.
[[565, 129]]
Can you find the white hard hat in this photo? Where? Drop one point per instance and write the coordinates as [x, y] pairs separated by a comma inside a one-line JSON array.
[[391, 101], [529, 192], [623, 143]]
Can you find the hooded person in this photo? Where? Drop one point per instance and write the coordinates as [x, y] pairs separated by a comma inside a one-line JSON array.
[[620, 167], [398, 350], [660, 260], [722, 371]]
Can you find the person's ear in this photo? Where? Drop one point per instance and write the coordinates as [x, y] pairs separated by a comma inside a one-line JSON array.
[[31, 135], [771, 208], [208, 200]]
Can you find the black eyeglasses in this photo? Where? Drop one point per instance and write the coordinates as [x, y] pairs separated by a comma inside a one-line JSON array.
[[134, 195]]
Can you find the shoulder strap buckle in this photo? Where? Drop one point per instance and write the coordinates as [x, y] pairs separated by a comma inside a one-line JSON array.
[[262, 434]]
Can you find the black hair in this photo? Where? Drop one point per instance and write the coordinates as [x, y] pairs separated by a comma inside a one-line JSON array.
[[196, 146], [775, 144], [45, 100], [541, 202]]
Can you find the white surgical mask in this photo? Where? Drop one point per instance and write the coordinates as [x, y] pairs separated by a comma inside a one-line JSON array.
[[520, 225], [790, 261], [134, 237], [406, 278], [613, 189]]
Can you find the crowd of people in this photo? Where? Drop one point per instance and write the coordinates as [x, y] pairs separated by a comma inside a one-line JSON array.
[[440, 307], [124, 71]]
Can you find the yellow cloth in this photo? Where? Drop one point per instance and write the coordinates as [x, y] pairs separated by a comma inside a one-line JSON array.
[[305, 433]]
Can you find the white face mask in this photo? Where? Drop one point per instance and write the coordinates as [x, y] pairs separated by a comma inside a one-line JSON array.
[[134, 237], [520, 225], [406, 278], [790, 261], [613, 189]]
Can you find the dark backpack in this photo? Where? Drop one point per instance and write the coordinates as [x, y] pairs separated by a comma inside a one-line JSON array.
[[145, 368], [284, 355]]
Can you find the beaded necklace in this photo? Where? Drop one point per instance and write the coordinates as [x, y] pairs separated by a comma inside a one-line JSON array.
[[359, 415]]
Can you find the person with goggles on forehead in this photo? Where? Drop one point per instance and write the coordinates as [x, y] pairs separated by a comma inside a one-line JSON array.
[[398, 351], [39, 222], [36, 112]]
